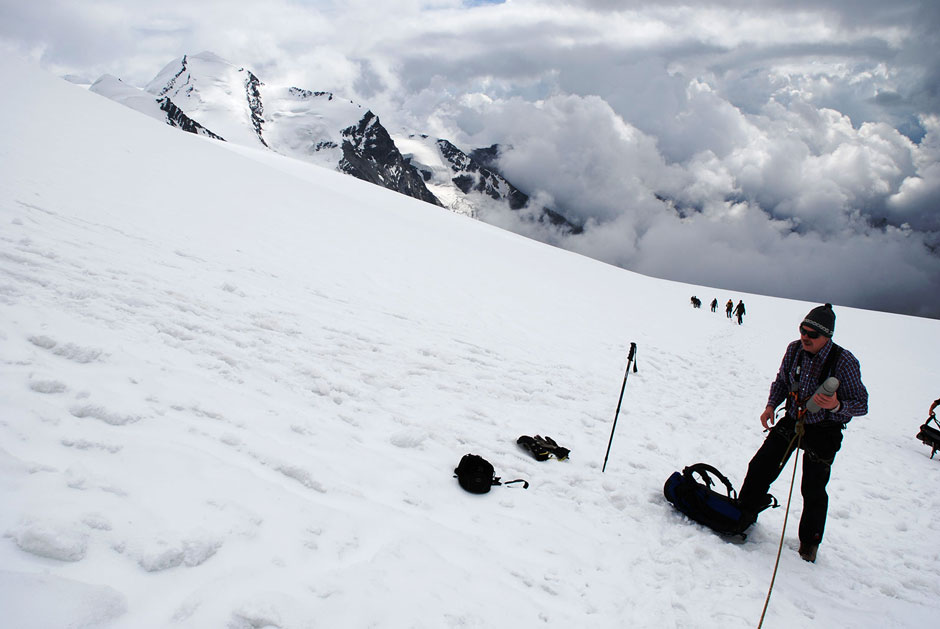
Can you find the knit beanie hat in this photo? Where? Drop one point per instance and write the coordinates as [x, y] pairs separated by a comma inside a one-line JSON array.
[[822, 319]]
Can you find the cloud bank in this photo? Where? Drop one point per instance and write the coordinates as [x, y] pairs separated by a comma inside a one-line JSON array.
[[789, 148]]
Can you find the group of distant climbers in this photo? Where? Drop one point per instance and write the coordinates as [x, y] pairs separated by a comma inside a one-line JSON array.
[[730, 308]]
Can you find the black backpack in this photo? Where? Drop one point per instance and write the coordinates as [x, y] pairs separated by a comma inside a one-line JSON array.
[[476, 475], [930, 435], [719, 512]]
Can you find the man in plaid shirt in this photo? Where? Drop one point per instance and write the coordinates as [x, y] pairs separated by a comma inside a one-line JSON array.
[[800, 374]]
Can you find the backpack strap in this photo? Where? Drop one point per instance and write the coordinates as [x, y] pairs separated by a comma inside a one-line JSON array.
[[703, 470], [794, 386], [829, 367], [497, 481]]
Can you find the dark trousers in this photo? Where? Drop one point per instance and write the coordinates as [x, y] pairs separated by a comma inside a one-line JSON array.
[[820, 443]]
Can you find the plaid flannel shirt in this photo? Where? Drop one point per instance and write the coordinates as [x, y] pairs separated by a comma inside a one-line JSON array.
[[852, 394]]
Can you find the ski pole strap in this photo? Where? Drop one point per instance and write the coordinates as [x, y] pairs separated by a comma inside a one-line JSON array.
[[525, 483], [632, 356]]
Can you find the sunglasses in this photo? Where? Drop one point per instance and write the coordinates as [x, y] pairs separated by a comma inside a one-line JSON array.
[[812, 334]]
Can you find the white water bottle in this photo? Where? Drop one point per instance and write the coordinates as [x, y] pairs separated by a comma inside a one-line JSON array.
[[828, 387]]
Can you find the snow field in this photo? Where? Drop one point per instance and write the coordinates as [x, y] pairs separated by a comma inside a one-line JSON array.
[[233, 391]]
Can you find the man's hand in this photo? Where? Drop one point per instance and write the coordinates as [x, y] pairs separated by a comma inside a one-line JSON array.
[[828, 402], [767, 418]]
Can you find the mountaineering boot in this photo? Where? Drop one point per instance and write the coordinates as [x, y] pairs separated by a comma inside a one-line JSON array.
[[808, 552]]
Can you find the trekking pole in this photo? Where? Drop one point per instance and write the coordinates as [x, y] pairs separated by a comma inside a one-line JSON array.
[[630, 359]]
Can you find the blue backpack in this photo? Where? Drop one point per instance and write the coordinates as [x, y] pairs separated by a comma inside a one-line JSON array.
[[718, 511]]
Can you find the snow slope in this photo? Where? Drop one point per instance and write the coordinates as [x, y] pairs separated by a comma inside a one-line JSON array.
[[233, 388]]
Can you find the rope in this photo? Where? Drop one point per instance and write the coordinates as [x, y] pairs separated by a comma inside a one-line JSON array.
[[797, 437]]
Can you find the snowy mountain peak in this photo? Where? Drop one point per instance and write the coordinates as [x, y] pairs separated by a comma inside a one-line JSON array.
[[161, 108], [369, 153], [210, 57], [310, 125], [216, 93], [469, 183], [210, 95]]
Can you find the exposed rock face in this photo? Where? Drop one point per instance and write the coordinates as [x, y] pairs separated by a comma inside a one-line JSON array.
[[476, 176], [369, 153], [477, 172], [171, 84], [176, 118], [255, 104]]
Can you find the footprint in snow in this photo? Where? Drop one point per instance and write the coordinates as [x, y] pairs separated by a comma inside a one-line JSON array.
[[159, 554], [408, 438], [82, 444], [69, 351], [47, 386], [98, 412]]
